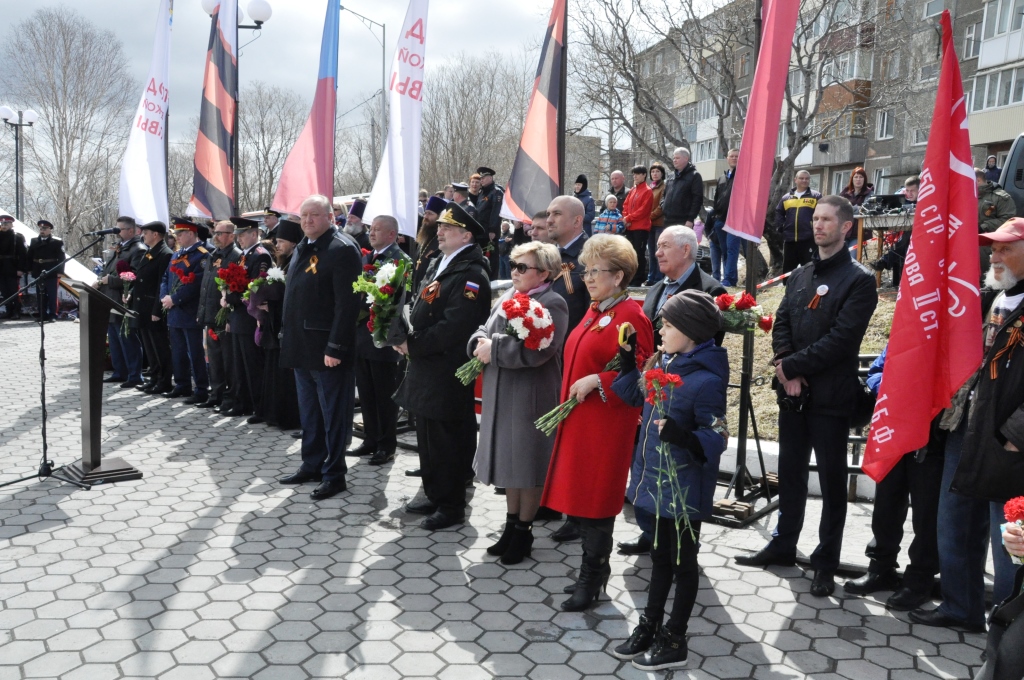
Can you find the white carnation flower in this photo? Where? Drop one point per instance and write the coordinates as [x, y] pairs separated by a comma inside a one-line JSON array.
[[385, 274], [275, 274]]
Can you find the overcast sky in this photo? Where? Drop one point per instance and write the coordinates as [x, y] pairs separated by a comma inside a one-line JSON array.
[[288, 51]]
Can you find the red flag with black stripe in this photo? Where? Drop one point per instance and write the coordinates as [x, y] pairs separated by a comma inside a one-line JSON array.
[[536, 176], [213, 194]]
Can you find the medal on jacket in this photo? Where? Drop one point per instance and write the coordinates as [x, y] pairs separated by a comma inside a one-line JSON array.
[[313, 261], [822, 290], [431, 292]]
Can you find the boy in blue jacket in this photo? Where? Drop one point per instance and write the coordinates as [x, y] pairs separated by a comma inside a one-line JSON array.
[[677, 495]]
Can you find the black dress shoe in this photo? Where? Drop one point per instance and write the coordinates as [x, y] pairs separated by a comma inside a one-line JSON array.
[[569, 531], [179, 392], [301, 477], [413, 473], [872, 583], [907, 599], [765, 557], [328, 489], [936, 618], [235, 412], [424, 507], [641, 546], [113, 379], [209, 403], [197, 398], [254, 420], [297, 435], [162, 388], [145, 386], [547, 515], [130, 383], [441, 520], [360, 451], [824, 583], [381, 457]]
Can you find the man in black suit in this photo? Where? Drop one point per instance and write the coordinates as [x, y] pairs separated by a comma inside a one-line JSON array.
[[46, 251], [377, 368], [565, 230], [455, 301], [247, 371], [151, 322], [318, 333], [677, 259], [219, 350]]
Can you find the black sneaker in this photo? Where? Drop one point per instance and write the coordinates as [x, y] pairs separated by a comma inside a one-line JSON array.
[[667, 652], [639, 641]]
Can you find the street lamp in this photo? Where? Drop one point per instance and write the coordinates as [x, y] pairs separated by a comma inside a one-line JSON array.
[[25, 119], [383, 75]]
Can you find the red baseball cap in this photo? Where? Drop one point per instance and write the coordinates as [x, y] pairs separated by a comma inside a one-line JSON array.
[[1012, 230]]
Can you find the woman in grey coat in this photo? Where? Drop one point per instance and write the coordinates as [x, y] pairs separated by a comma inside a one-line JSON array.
[[520, 385]]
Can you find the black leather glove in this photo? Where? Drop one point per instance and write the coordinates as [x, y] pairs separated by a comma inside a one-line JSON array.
[[627, 357], [673, 433]]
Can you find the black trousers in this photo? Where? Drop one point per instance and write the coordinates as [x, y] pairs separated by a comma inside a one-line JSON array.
[[796, 253], [248, 372], [156, 343], [8, 287], [799, 433], [377, 382], [673, 557], [447, 448], [220, 355], [638, 239], [910, 483]]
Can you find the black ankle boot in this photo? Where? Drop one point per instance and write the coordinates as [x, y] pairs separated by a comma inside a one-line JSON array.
[[501, 546], [639, 641], [521, 544], [594, 570]]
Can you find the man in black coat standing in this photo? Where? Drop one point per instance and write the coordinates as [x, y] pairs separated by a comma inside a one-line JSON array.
[[565, 230], [488, 214], [125, 347], [219, 350], [13, 264], [145, 302], [450, 308], [684, 192], [44, 252], [247, 367], [377, 368], [817, 334], [318, 333]]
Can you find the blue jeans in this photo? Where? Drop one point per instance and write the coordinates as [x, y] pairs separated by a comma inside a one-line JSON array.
[[50, 297], [504, 267], [963, 533], [654, 274], [188, 359], [725, 256], [1002, 584], [326, 399], [125, 352]]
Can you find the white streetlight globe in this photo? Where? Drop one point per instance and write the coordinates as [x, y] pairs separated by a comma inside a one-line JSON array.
[[260, 11], [30, 116], [209, 5], [241, 15], [7, 113]]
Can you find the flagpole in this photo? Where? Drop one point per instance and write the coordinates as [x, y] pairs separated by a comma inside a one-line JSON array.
[[562, 98]]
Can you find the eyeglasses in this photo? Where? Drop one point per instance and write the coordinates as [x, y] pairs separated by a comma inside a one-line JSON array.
[[592, 273], [523, 268]]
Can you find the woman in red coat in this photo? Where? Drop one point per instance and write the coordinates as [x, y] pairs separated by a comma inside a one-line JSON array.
[[593, 447], [636, 213]]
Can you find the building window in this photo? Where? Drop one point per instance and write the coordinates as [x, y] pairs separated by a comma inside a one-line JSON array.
[[920, 136], [796, 82], [933, 7], [1001, 16], [839, 181], [881, 183], [930, 71], [1001, 88], [744, 65], [657, 62], [886, 125], [972, 41]]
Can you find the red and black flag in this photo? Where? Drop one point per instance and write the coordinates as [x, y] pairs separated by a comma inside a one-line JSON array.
[[537, 173], [213, 194]]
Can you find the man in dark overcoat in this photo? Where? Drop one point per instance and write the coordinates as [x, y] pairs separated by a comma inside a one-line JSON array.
[[125, 346], [219, 350], [44, 252], [13, 265], [145, 302]]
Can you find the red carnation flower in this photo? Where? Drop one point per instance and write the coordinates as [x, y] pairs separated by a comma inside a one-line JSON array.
[[746, 301], [1014, 509], [724, 301], [369, 267], [365, 251], [765, 323], [387, 290]]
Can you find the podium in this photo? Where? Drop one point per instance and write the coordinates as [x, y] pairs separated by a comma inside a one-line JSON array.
[[93, 314]]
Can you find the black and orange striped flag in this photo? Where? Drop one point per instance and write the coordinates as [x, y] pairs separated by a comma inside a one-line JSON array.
[[537, 172], [213, 193]]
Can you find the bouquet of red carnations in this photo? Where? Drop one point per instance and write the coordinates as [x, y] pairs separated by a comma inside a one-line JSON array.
[[1013, 510], [743, 313], [386, 286], [231, 279], [528, 320]]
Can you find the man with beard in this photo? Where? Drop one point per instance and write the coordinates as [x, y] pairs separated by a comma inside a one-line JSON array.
[[354, 226], [145, 302], [13, 263], [426, 241], [45, 252], [219, 351], [983, 466]]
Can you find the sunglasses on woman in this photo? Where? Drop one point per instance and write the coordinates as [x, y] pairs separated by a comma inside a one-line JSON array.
[[522, 268]]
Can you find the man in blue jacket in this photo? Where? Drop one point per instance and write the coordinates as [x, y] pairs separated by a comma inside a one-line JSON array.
[[179, 296]]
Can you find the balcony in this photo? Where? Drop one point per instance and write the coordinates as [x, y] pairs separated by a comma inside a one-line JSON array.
[[839, 151], [1002, 49]]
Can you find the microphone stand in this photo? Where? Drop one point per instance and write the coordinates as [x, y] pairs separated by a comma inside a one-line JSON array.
[[46, 468]]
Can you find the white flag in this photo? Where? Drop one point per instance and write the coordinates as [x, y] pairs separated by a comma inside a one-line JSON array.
[[397, 185], [144, 168]]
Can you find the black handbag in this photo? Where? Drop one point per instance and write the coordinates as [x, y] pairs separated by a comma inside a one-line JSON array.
[[863, 405]]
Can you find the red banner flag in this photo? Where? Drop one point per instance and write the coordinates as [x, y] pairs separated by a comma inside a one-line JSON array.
[[935, 344], [760, 138]]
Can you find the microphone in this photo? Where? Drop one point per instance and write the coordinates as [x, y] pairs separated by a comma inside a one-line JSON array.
[[104, 232]]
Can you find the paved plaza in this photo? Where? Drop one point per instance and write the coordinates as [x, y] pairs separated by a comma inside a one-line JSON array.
[[207, 568]]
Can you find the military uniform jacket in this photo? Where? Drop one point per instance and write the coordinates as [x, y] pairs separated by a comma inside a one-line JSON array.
[[193, 263], [13, 254], [44, 254], [257, 261], [365, 349], [569, 284], [424, 257], [146, 292], [450, 308], [320, 307], [488, 211], [209, 294], [131, 251]]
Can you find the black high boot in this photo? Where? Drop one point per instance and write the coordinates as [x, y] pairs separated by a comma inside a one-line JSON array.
[[501, 546], [594, 570], [521, 544]]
